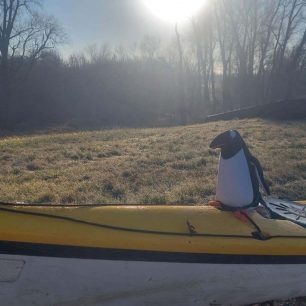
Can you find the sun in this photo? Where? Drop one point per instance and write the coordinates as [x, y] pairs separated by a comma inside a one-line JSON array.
[[174, 10]]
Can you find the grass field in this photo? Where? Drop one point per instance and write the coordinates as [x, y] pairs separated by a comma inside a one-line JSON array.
[[166, 165]]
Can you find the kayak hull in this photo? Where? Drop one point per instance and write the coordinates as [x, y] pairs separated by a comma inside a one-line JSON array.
[[36, 280], [146, 255]]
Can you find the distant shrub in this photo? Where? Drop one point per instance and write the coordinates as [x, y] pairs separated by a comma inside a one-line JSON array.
[[68, 199], [46, 198], [158, 199], [33, 167], [16, 171], [116, 192], [113, 152]]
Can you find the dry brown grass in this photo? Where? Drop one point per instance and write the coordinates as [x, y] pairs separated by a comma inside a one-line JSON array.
[[166, 165]]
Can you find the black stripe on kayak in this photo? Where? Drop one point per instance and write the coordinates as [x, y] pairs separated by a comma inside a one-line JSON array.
[[47, 250]]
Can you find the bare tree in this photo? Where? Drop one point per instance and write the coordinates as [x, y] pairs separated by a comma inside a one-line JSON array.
[[296, 59], [267, 23], [25, 33], [183, 110], [225, 43], [205, 45], [150, 46], [291, 24]]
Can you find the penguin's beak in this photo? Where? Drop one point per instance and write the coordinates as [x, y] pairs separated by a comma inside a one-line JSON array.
[[220, 141]]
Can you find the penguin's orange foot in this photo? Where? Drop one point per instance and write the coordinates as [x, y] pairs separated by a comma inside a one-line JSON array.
[[241, 215], [214, 203]]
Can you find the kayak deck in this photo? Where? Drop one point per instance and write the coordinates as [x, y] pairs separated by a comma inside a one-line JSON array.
[[183, 229]]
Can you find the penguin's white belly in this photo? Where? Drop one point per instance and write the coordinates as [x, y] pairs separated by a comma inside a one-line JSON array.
[[234, 186]]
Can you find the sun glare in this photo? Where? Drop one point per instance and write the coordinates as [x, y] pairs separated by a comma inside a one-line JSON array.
[[174, 10]]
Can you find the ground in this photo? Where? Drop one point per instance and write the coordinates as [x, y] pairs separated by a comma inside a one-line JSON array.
[[164, 165]]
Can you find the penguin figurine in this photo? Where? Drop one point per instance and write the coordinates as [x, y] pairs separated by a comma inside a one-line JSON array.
[[240, 173]]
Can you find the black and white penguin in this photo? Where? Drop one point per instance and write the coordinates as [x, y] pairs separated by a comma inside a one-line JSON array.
[[239, 173]]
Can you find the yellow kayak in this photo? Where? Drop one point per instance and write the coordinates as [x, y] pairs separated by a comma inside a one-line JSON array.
[[110, 252], [184, 229]]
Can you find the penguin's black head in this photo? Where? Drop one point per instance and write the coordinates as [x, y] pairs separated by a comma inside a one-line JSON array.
[[230, 143], [224, 139]]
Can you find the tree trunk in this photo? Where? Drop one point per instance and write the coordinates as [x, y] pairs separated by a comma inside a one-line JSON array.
[[4, 88], [182, 111]]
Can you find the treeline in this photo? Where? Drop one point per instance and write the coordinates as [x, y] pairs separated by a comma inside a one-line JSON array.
[[233, 54], [103, 91]]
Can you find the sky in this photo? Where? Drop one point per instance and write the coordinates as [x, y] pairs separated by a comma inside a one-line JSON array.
[[88, 22]]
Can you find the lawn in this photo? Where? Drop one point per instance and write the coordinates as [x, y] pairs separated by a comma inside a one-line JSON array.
[[164, 165]]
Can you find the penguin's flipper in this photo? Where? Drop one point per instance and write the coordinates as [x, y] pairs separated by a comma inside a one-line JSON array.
[[260, 174]]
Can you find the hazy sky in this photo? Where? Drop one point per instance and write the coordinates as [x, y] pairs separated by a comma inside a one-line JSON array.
[[106, 21]]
